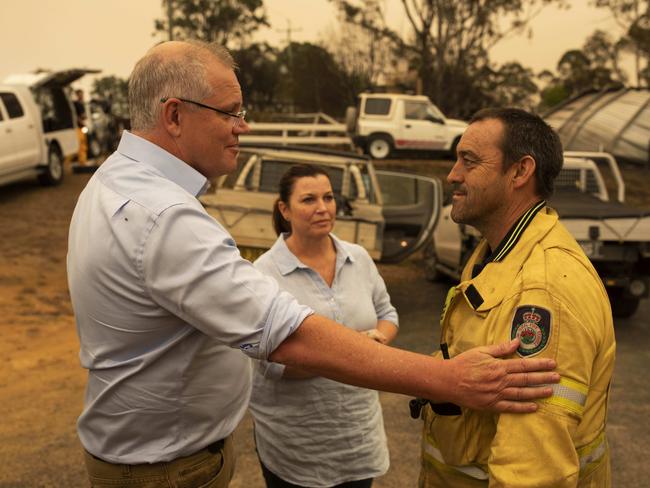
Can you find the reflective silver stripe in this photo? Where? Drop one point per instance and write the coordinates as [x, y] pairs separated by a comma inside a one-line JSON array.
[[594, 455], [470, 470], [476, 472], [563, 391], [569, 395]]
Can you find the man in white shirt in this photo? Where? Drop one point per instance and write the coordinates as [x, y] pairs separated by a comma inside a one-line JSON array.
[[163, 300]]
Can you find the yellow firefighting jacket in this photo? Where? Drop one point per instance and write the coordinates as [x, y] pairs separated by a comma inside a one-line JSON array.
[[537, 285]]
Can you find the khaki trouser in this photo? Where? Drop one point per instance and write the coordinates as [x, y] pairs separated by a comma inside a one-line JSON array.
[[211, 467]]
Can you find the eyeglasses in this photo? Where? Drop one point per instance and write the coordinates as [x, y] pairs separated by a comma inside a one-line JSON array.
[[239, 116]]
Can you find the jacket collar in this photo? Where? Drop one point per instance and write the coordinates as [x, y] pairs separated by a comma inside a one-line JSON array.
[[488, 288], [511, 239]]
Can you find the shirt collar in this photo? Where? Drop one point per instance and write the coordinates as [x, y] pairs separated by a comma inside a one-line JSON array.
[[174, 169], [287, 261]]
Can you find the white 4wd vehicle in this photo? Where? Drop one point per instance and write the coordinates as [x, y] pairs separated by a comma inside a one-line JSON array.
[[37, 126], [615, 237], [387, 123], [390, 214]]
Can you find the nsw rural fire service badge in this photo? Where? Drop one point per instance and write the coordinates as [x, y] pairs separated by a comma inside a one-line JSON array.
[[532, 324]]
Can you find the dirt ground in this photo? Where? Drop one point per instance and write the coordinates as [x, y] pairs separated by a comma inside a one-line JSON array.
[[41, 382]]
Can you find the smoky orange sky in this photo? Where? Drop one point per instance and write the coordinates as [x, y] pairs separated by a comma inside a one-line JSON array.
[[112, 35]]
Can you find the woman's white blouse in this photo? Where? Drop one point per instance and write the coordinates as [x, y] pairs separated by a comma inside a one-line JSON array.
[[318, 432]]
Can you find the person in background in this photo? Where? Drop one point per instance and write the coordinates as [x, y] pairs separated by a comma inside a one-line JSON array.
[[528, 278], [311, 431], [80, 110]]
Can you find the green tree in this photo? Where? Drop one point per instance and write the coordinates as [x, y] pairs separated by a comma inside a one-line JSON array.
[[511, 85], [633, 17], [574, 68], [259, 76], [449, 41], [552, 95], [312, 80], [594, 67], [605, 53], [227, 22], [364, 56]]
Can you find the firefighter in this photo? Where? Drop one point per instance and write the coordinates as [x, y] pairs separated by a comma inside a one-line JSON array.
[[82, 137], [527, 278]]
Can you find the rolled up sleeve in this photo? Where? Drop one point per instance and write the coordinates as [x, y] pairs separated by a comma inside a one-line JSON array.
[[192, 268]]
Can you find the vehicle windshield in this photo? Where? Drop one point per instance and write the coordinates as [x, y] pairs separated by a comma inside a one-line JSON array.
[[421, 111], [434, 112], [263, 173], [272, 172]]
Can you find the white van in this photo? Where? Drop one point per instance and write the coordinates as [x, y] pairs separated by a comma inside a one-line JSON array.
[[37, 125]]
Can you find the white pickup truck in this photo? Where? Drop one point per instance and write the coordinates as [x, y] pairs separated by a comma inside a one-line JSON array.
[[37, 126], [388, 123], [381, 125], [614, 236]]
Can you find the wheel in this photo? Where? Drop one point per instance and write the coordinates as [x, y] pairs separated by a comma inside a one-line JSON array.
[[379, 147], [94, 147], [430, 258], [53, 173], [623, 307]]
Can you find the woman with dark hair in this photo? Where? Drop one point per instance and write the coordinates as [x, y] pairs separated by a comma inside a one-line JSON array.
[[311, 431]]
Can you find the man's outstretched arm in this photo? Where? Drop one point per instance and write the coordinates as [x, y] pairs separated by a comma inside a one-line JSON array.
[[474, 379]]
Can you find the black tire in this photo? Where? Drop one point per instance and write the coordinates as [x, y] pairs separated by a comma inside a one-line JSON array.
[[379, 147], [53, 173], [623, 307], [430, 259]]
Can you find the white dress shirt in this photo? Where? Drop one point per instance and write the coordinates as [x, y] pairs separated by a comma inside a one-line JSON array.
[[318, 432], [164, 307]]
